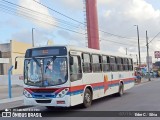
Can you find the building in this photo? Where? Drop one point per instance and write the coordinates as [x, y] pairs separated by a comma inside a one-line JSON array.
[[5, 52], [9, 51]]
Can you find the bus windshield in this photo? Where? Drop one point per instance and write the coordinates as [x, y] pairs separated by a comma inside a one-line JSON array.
[[43, 72]]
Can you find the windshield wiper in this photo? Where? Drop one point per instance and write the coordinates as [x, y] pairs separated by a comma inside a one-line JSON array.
[[39, 65]]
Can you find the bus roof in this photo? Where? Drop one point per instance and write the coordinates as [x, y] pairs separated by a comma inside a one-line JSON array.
[[84, 49]]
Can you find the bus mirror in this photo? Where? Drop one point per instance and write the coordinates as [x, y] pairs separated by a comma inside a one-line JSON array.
[[15, 65], [71, 61]]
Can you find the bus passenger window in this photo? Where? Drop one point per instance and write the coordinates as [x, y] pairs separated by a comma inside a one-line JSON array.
[[119, 64], [113, 64], [125, 64], [75, 68], [106, 63], [130, 64], [86, 63], [96, 66]]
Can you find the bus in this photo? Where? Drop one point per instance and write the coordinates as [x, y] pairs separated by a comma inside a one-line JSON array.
[[64, 76]]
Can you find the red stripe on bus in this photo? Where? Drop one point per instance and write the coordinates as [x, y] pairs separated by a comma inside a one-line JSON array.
[[79, 87], [97, 84], [75, 88]]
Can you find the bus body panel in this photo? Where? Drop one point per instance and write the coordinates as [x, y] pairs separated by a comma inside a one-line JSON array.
[[77, 86], [53, 100], [102, 83]]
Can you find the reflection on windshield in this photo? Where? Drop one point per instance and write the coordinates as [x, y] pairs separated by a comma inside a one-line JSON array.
[[46, 71]]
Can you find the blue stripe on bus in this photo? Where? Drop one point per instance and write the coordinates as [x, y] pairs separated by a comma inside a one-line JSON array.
[[50, 95], [43, 95], [98, 87], [131, 81], [75, 92]]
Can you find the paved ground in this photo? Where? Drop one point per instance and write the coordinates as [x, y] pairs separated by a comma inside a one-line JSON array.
[[16, 91]]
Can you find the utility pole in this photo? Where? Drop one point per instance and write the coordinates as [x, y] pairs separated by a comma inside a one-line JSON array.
[[139, 52], [147, 44], [33, 37], [137, 59]]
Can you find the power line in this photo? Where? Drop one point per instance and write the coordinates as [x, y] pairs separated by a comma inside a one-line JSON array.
[[111, 34], [107, 40], [81, 22], [154, 38], [57, 12], [36, 12], [24, 15]]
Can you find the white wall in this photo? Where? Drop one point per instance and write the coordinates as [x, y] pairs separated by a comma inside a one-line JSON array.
[[14, 80]]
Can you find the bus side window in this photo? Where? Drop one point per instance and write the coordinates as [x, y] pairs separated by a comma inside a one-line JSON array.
[[130, 64], [96, 63], [119, 64], [125, 63], [86, 63], [113, 64], [106, 63], [75, 68]]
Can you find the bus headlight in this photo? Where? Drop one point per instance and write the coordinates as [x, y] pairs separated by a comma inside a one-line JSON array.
[[62, 93], [27, 94]]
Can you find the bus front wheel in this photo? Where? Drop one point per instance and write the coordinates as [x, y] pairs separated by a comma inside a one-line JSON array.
[[87, 100]]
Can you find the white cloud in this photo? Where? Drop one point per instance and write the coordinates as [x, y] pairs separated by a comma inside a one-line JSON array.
[[119, 16], [73, 5], [122, 50], [142, 10], [40, 37], [44, 16], [115, 16]]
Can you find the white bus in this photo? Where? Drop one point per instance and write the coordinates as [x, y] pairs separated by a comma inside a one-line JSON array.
[[64, 76]]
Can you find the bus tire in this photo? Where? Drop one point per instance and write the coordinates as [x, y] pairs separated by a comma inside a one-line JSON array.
[[87, 100], [121, 90]]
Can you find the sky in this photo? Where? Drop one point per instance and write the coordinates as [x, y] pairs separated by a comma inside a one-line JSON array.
[[117, 17]]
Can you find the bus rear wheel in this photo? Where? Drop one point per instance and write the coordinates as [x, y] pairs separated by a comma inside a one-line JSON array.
[[87, 100], [121, 90]]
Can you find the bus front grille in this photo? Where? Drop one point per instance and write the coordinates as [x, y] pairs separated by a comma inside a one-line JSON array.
[[43, 101]]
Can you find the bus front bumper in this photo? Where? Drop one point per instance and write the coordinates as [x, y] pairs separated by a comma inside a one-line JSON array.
[[56, 102]]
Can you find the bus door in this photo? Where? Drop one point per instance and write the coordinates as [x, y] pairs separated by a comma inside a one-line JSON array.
[[76, 78]]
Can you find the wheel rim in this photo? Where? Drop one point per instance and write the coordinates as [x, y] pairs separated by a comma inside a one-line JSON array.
[[87, 98], [121, 90]]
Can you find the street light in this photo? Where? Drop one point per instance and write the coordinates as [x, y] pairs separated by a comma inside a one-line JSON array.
[[32, 37], [138, 46]]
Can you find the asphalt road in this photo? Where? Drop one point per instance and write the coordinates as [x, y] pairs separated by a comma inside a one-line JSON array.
[[143, 97]]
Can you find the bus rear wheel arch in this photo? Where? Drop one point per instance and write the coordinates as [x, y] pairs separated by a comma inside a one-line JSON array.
[[87, 99]]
